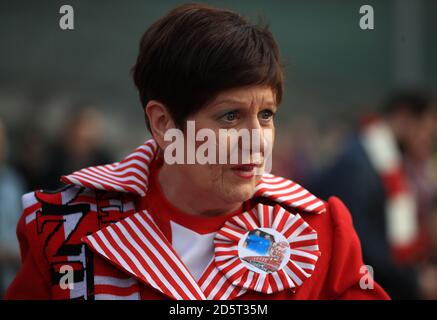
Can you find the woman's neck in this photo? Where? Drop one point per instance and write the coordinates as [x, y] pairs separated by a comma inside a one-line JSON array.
[[187, 198]]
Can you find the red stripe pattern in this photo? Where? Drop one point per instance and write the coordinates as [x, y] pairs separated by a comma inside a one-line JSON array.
[[112, 288], [129, 175], [136, 245], [302, 239], [288, 193], [216, 286]]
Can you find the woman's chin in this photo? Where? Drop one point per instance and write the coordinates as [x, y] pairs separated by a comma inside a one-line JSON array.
[[239, 195], [241, 190]]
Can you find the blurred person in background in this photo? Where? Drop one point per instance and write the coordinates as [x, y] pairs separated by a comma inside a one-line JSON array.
[[381, 174], [31, 157], [11, 189], [78, 144], [428, 268], [294, 154]]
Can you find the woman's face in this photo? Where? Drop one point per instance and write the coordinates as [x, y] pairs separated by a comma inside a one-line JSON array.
[[245, 108]]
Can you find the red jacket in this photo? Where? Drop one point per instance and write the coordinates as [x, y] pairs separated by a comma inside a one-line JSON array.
[[91, 240]]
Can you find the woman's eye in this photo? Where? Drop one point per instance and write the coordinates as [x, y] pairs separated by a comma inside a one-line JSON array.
[[266, 114], [230, 116]]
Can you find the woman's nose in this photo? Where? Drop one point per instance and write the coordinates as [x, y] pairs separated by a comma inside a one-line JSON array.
[[258, 135], [254, 123]]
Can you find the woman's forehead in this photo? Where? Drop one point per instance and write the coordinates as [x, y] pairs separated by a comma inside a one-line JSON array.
[[246, 96]]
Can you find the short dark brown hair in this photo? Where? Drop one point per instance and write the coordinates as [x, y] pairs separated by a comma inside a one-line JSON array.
[[195, 52]]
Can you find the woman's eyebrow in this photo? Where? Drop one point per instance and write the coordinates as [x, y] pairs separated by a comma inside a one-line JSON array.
[[231, 102], [236, 102]]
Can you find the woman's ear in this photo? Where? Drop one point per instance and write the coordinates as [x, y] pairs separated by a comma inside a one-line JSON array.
[[160, 121]]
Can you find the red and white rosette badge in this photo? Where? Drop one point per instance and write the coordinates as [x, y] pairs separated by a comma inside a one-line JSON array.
[[266, 249]]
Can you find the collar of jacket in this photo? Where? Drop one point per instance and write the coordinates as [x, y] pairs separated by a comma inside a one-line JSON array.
[[131, 176]]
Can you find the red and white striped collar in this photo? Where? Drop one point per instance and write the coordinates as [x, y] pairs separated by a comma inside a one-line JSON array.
[[131, 176]]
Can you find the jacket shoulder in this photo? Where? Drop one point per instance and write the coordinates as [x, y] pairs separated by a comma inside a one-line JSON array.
[[55, 221], [52, 226], [335, 226], [339, 213], [43, 207]]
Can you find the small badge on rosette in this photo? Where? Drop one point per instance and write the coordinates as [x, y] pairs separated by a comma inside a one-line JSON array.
[[264, 250]]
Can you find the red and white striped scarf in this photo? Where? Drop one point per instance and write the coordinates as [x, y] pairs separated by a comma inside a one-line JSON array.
[[136, 244], [401, 212]]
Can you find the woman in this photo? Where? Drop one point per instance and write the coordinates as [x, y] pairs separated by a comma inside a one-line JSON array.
[[149, 227]]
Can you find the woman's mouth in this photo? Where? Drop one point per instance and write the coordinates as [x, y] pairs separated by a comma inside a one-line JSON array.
[[246, 171]]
